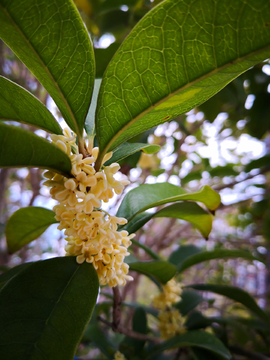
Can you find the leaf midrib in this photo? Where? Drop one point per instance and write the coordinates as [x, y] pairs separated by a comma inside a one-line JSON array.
[[152, 107], [5, 10]]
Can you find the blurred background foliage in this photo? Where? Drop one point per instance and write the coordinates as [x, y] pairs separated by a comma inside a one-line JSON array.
[[224, 143]]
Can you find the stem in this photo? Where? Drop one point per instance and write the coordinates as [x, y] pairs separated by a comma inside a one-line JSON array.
[[122, 330], [146, 249], [81, 146]]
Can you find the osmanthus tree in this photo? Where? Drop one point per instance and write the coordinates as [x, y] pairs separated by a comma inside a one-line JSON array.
[[180, 54]]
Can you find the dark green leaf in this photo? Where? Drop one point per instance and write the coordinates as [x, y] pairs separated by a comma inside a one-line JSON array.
[[127, 149], [103, 57], [190, 299], [27, 224], [235, 294], [151, 195], [51, 40], [9, 274], [22, 148], [182, 253], [200, 339], [100, 340], [160, 270], [201, 354], [46, 309], [17, 104], [258, 163], [178, 56], [215, 254], [131, 347]]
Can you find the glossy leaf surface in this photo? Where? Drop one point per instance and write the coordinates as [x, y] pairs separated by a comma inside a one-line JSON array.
[[128, 149], [27, 224], [17, 104], [235, 294], [151, 195], [214, 254], [22, 148], [160, 270], [200, 339], [46, 318], [178, 56], [188, 211], [50, 39]]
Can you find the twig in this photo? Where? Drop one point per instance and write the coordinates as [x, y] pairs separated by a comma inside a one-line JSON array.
[[117, 300], [122, 330]]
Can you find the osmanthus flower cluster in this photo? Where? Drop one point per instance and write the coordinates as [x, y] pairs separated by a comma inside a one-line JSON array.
[[92, 234], [119, 356], [171, 322]]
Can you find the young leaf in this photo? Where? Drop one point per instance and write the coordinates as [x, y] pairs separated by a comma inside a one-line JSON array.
[[151, 195], [46, 319], [188, 211], [128, 149], [27, 224], [22, 148], [235, 294], [160, 270], [178, 56], [200, 339], [90, 118], [51, 40], [215, 254], [17, 104]]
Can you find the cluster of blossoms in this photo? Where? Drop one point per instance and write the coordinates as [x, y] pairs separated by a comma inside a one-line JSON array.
[[119, 356], [171, 322], [92, 234]]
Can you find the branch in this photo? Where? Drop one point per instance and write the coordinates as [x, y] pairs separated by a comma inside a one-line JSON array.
[[122, 330], [117, 301]]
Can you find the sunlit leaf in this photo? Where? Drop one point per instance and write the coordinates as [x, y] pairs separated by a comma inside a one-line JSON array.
[[27, 224], [188, 211], [22, 148], [17, 104], [178, 56], [90, 118], [151, 195], [46, 318], [199, 339], [51, 40], [128, 149]]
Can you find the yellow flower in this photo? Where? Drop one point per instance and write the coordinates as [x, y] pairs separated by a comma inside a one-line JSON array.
[[169, 296], [171, 323], [92, 235], [119, 356]]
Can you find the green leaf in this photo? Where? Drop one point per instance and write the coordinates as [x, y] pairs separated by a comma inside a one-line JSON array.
[[17, 104], [200, 339], [130, 346], [99, 339], [214, 254], [51, 40], [235, 294], [191, 212], [182, 253], [258, 163], [22, 148], [178, 56], [9, 274], [103, 57], [27, 224], [127, 149], [187, 211], [90, 118], [201, 354], [46, 318], [190, 299], [160, 270], [151, 195]]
